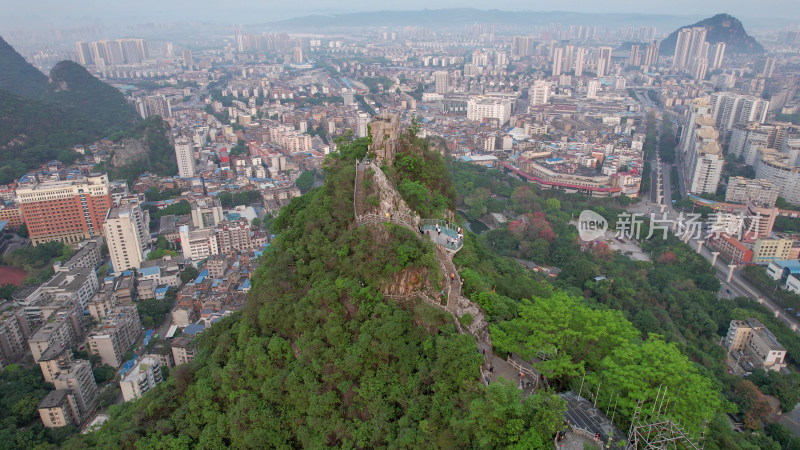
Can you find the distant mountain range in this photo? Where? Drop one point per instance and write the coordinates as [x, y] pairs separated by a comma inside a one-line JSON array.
[[458, 17], [721, 28], [41, 118]]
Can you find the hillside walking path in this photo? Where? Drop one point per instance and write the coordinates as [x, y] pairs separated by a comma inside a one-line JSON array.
[[448, 243]]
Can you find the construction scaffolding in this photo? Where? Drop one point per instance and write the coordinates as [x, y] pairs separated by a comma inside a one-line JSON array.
[[658, 431]]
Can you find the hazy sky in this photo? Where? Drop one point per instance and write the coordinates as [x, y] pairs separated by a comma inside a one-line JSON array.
[[16, 13]]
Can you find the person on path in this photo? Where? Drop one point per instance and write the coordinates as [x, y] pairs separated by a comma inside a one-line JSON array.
[[452, 277]]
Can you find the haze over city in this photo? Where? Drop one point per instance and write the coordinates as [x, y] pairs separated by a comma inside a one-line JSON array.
[[446, 224], [38, 13]]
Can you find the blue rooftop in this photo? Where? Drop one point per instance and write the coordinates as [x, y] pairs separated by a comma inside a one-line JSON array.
[[149, 271], [792, 264], [193, 329]]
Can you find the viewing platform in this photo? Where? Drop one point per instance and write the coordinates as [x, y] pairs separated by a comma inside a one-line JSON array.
[[443, 233]]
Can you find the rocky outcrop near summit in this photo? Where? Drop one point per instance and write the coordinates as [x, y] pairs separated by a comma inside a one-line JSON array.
[[721, 28]]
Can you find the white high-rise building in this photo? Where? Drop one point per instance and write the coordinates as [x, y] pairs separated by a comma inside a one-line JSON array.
[[699, 69], [489, 108], [442, 81], [729, 109], [743, 190], [569, 57], [769, 67], [698, 49], [153, 105], [580, 54], [522, 46], [682, 48], [539, 93], [745, 139], [635, 57], [651, 55], [780, 169], [717, 53], [689, 47], [362, 121], [126, 236], [558, 59], [704, 159], [699, 107], [184, 153], [348, 97], [501, 60], [604, 61], [592, 87]]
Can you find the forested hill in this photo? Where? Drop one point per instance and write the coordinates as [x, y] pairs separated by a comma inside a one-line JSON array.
[[17, 76], [73, 86], [721, 28], [33, 131], [42, 120], [319, 358]]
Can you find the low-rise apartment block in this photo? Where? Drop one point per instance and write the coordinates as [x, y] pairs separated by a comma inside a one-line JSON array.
[[753, 346], [143, 377], [115, 335]]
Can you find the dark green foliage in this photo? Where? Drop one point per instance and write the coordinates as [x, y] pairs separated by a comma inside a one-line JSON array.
[[152, 311], [674, 296], [154, 195], [246, 198], [40, 256], [22, 231], [18, 76], [73, 86], [240, 148], [667, 144], [6, 290], [783, 386], [783, 436], [787, 224], [33, 132], [178, 208], [21, 389], [421, 178], [793, 118], [108, 396], [318, 358], [266, 222], [305, 181], [189, 274], [41, 121], [373, 82], [161, 156], [160, 253], [364, 105], [103, 373]]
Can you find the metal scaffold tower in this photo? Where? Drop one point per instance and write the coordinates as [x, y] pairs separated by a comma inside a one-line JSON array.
[[657, 431]]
